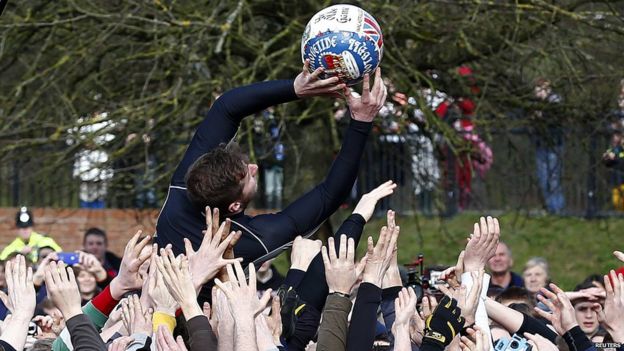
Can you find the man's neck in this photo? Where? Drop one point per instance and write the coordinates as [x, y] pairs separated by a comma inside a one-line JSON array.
[[501, 279]]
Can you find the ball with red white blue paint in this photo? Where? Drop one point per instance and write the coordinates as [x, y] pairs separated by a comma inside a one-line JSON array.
[[345, 40]]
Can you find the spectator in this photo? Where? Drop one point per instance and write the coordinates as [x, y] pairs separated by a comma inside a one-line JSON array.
[[28, 241], [270, 151], [614, 159], [92, 164], [536, 275], [95, 242], [500, 267], [87, 284], [587, 318], [549, 147]]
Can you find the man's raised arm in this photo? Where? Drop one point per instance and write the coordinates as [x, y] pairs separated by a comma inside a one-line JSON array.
[[225, 115], [310, 210]]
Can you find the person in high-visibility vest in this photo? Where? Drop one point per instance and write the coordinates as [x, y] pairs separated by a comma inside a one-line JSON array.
[[28, 241]]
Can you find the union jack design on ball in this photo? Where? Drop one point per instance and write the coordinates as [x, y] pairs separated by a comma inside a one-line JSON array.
[[371, 28]]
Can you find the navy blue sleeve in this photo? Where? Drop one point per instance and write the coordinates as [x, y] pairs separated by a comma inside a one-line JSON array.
[[388, 296], [534, 326], [577, 340], [225, 115], [309, 211], [361, 334]]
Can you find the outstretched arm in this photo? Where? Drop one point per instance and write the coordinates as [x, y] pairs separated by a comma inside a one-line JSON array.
[[309, 211], [225, 115]]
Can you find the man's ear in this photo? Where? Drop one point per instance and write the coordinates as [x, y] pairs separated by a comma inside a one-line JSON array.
[[235, 207]]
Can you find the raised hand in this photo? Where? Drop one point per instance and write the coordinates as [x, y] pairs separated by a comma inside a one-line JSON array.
[[393, 275], [129, 277], [443, 325], [178, 281], [365, 107], [482, 244], [303, 252], [340, 270], [162, 299], [135, 318], [429, 304], [243, 296], [39, 274], [208, 260], [405, 307], [562, 316], [20, 301], [467, 301], [309, 84], [540, 343], [244, 304], [92, 265], [366, 206], [63, 290], [274, 321], [166, 342], [379, 256], [452, 275], [477, 340], [121, 343], [611, 316]]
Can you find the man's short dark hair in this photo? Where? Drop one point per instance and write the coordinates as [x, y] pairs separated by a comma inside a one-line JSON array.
[[215, 179], [514, 293], [589, 282], [97, 232]]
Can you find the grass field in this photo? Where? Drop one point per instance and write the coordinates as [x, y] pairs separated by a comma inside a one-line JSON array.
[[574, 247]]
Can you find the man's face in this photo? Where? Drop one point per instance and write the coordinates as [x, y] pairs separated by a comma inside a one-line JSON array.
[[95, 245], [501, 262], [24, 233], [250, 184], [586, 317]]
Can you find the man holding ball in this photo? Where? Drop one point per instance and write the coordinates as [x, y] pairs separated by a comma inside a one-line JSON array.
[[214, 174]]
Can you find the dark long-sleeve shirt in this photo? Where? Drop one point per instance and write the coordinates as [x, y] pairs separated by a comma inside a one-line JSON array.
[[577, 340], [201, 336], [364, 318], [264, 236], [84, 337]]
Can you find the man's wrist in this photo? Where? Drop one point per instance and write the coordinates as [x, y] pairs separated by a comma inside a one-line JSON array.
[[302, 266], [166, 310], [570, 326], [340, 292], [617, 336], [71, 312], [117, 290], [191, 310], [372, 280]]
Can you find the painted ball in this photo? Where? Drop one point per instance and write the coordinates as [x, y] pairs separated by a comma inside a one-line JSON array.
[[345, 40]]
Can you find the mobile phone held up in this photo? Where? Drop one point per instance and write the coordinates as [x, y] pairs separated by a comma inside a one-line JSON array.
[[69, 258]]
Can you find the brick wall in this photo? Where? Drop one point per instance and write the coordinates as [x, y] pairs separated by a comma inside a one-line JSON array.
[[67, 226]]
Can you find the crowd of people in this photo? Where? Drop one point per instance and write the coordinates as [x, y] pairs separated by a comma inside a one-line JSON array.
[[151, 299]]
